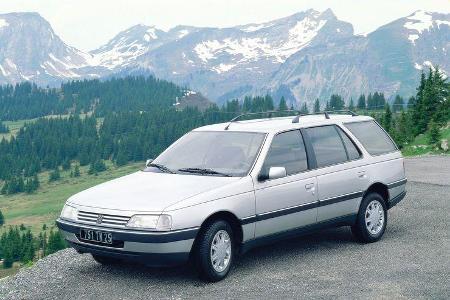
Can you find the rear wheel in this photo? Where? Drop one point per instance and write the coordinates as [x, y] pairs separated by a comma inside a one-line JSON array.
[[372, 219], [214, 251], [105, 260]]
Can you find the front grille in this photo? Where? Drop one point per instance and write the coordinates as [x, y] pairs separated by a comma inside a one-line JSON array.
[[101, 219]]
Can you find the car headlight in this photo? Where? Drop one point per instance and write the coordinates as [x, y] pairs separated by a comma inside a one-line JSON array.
[[157, 222], [69, 213]]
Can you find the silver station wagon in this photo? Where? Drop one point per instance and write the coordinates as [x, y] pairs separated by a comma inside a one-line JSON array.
[[225, 188]]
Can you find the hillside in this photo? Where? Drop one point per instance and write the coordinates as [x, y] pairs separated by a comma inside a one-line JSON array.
[[43, 207]]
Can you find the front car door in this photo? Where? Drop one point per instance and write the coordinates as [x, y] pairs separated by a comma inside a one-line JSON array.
[[291, 201], [341, 175]]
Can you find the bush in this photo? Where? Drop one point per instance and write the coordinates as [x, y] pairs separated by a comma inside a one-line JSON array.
[[434, 134], [54, 175], [97, 167]]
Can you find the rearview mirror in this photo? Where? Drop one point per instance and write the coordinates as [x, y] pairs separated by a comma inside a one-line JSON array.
[[149, 161], [277, 172], [274, 173]]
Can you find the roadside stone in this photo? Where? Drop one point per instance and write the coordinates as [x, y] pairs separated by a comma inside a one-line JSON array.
[[444, 145]]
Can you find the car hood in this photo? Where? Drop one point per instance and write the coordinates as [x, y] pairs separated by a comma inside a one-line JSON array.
[[148, 191]]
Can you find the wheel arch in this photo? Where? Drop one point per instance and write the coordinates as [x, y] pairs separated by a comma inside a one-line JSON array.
[[227, 216], [381, 189]]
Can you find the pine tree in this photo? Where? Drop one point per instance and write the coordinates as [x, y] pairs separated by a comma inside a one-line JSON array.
[[3, 128], [434, 134], [76, 171], [398, 104], [387, 118], [304, 109], [55, 175], [55, 243], [97, 167], [316, 106], [28, 186], [351, 105], [2, 219], [362, 102], [36, 183], [282, 105], [336, 102], [66, 164]]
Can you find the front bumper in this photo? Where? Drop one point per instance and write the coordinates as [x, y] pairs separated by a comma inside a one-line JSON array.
[[150, 248]]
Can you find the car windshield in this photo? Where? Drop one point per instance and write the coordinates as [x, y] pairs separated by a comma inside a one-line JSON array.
[[212, 153]]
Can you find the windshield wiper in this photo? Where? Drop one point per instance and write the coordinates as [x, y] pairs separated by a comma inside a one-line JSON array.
[[203, 171], [161, 167]]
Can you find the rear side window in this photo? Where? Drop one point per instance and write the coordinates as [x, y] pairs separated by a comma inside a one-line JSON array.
[[327, 145], [352, 151], [288, 151], [372, 137]]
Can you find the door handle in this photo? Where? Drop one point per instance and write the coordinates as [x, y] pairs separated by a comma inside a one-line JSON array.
[[362, 174], [310, 187]]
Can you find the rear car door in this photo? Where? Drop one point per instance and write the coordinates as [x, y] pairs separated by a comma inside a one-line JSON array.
[[341, 176], [291, 201]]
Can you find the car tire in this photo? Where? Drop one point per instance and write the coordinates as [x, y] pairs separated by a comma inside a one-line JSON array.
[[216, 240], [371, 219], [105, 260]]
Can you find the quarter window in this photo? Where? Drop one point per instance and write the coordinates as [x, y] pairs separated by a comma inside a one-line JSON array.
[[288, 151], [372, 137], [352, 151], [327, 145]]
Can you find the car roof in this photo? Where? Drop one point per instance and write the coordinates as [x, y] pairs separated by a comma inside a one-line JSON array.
[[274, 125]]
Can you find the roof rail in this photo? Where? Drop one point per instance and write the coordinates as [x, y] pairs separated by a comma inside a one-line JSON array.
[[343, 111], [296, 118], [270, 112], [325, 113]]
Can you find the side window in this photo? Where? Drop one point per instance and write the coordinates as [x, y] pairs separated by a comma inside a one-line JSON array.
[[352, 151], [327, 145], [372, 137], [288, 151]]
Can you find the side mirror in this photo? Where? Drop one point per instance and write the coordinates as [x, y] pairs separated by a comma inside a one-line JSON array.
[[274, 173], [149, 161], [277, 172]]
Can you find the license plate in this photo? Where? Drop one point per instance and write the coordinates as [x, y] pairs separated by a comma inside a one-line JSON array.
[[96, 236]]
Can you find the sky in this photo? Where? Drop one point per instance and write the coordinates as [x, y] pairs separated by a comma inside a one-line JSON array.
[[87, 24]]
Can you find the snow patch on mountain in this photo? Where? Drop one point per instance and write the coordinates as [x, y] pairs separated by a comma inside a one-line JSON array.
[[421, 21], [413, 37], [150, 34], [247, 49], [301, 34], [3, 23], [182, 33], [223, 68], [255, 27]]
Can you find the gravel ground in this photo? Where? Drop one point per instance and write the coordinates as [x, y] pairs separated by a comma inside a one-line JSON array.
[[411, 261]]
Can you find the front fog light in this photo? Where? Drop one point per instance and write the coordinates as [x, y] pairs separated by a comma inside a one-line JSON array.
[[157, 222], [69, 213]]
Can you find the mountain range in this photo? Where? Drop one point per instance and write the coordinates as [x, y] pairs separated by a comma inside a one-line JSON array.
[[302, 57]]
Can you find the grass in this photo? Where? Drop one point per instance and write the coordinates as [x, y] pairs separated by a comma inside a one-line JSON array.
[[44, 206], [420, 144], [14, 127]]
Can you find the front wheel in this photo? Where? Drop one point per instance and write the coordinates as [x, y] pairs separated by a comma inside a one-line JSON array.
[[372, 219], [214, 252]]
